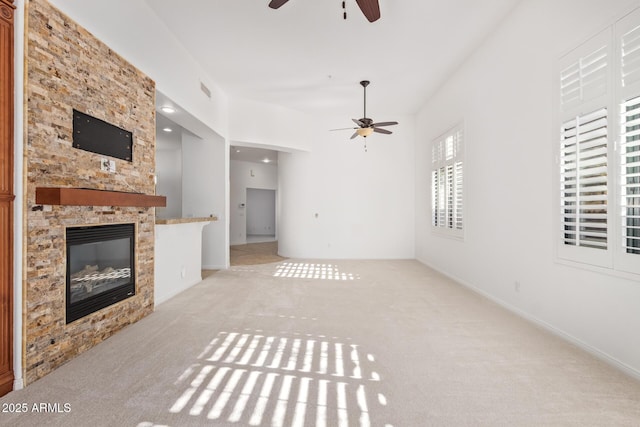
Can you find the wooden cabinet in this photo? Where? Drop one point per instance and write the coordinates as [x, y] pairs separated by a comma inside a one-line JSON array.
[[6, 196]]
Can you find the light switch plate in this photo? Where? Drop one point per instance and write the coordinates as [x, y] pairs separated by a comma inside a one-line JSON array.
[[108, 165]]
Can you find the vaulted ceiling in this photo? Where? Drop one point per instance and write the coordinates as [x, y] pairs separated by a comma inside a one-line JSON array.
[[306, 56]]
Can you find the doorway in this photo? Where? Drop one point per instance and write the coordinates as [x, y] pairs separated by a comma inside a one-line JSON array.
[[261, 245], [253, 213]]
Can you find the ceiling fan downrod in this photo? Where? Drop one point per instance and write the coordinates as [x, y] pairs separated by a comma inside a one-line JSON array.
[[364, 84]]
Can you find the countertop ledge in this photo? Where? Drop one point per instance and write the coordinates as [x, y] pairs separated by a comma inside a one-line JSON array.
[[167, 221]]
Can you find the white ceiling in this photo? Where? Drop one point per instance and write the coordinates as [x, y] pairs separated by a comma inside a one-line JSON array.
[[171, 134], [171, 140], [254, 155], [305, 56]]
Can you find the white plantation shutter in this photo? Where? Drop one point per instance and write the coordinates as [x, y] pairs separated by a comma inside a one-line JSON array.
[[458, 196], [586, 77], [627, 36], [599, 150], [447, 199], [583, 180], [630, 177], [438, 197], [584, 154], [630, 57]]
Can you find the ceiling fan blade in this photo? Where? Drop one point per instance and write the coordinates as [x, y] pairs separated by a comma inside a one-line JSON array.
[[277, 3], [384, 124], [358, 122], [370, 8], [355, 134], [387, 132], [342, 129]]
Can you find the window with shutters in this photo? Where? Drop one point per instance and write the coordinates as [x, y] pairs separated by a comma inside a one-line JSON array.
[[630, 177], [598, 149], [447, 196], [583, 180]]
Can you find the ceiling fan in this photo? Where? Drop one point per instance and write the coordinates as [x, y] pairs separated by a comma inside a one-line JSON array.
[[370, 8], [366, 126]]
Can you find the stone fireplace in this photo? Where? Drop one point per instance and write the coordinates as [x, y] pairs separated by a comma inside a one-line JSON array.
[[69, 69]]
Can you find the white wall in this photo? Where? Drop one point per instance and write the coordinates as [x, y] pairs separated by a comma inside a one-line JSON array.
[[364, 200], [504, 93], [178, 261], [245, 175], [261, 212], [169, 173], [204, 189], [268, 125]]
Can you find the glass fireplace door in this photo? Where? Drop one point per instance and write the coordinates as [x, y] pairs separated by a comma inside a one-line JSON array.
[[100, 267]]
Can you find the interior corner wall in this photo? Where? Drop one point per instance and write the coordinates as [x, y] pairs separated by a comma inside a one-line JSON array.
[[504, 94], [244, 175]]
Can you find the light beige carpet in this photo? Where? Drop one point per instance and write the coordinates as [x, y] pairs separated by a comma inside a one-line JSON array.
[[314, 343]]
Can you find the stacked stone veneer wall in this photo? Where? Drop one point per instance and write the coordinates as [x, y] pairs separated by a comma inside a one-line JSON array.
[[69, 68]]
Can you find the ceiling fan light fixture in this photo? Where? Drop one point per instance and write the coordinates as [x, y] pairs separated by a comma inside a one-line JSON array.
[[366, 126], [364, 132]]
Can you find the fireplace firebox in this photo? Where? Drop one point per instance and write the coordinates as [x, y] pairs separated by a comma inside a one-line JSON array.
[[100, 267]]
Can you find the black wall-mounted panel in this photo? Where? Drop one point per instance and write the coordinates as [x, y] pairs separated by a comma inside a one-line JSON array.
[[98, 136]]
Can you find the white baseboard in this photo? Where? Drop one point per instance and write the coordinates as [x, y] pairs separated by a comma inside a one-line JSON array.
[[18, 384], [599, 354]]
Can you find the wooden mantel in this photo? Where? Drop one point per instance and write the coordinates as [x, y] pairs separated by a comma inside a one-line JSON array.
[[89, 197]]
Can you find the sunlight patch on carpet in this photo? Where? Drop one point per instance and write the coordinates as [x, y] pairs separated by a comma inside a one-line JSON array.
[[309, 270], [254, 378]]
